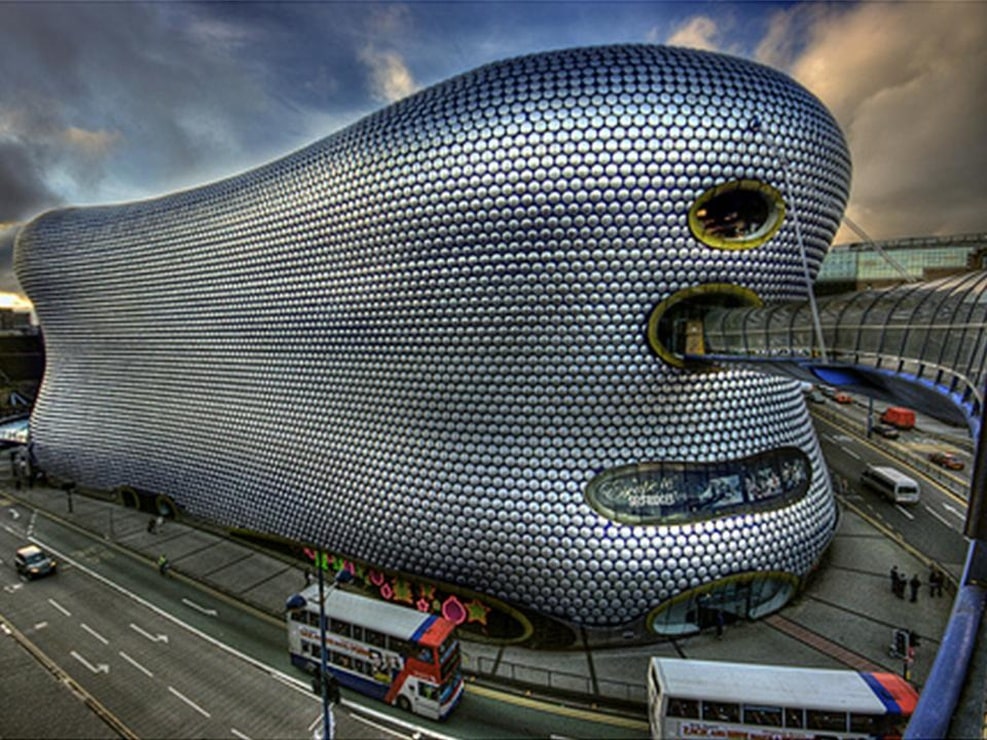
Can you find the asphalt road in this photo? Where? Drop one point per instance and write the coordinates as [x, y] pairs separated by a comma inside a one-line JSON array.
[[171, 659], [143, 659], [932, 527]]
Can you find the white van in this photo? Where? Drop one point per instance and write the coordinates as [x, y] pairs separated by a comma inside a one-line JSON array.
[[892, 484]]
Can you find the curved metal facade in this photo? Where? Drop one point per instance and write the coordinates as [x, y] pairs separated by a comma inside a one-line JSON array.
[[418, 340]]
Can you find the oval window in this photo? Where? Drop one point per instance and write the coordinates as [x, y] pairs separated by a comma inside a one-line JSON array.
[[677, 492], [737, 215], [675, 327]]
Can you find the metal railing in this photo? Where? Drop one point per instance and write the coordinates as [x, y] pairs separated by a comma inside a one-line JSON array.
[[574, 684]]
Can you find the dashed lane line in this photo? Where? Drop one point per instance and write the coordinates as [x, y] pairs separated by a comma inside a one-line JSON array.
[[188, 701]]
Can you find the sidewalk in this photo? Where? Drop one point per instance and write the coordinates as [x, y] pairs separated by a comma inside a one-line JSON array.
[[844, 617]]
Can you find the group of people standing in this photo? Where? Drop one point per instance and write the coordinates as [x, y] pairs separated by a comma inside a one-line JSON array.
[[899, 582]]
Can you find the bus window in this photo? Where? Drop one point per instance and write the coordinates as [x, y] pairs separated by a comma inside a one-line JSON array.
[[339, 627], [313, 619], [427, 691], [399, 646], [424, 654], [357, 632], [375, 638], [866, 724], [819, 719], [721, 711], [794, 718], [764, 716], [686, 708]]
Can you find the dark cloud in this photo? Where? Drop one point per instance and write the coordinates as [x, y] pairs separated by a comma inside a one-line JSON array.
[[906, 82], [8, 281], [23, 191], [119, 99]]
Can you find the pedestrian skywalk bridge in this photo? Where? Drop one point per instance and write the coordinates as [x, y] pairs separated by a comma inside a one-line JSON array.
[[911, 345]]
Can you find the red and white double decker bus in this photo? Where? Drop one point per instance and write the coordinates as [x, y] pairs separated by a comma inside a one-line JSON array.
[[393, 653]]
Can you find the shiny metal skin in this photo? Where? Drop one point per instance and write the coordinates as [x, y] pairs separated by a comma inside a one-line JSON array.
[[417, 340]]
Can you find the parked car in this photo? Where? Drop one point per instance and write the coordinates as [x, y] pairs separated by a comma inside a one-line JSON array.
[[33, 562], [814, 396], [946, 460], [886, 431]]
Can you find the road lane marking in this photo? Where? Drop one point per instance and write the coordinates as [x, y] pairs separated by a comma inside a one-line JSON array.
[[909, 514], [941, 518], [101, 668], [136, 665], [40, 625], [301, 686], [60, 608], [954, 512], [236, 733], [200, 608], [851, 453], [188, 701], [95, 634], [148, 635]]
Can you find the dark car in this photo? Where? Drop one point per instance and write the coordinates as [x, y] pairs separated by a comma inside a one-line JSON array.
[[946, 460], [886, 431], [33, 562]]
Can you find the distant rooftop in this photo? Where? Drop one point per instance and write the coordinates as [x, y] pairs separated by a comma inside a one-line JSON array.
[[923, 257]]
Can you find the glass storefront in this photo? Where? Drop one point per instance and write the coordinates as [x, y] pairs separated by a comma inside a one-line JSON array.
[[742, 596]]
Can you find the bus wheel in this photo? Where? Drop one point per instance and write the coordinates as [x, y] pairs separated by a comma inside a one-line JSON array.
[[404, 704]]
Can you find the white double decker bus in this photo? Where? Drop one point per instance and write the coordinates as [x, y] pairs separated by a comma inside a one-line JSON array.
[[699, 698], [393, 653]]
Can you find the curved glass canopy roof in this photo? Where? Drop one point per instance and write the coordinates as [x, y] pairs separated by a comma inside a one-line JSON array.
[[911, 345]]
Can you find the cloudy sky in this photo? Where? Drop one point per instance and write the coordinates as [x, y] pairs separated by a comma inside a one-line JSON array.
[[113, 101]]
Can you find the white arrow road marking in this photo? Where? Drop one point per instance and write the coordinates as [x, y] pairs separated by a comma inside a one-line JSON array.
[[188, 701], [60, 608], [101, 668], [148, 635], [954, 511], [909, 514], [198, 608], [136, 665], [95, 634], [13, 588]]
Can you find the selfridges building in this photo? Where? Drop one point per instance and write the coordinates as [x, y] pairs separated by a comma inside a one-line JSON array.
[[439, 345]]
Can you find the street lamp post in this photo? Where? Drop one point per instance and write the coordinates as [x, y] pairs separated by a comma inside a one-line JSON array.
[[328, 687], [328, 731]]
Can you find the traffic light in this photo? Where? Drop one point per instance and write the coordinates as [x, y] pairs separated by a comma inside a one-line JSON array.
[[332, 689], [901, 642], [332, 686]]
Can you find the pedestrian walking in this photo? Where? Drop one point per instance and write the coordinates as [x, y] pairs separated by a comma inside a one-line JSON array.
[[720, 621], [915, 583], [936, 578], [894, 579], [163, 564]]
